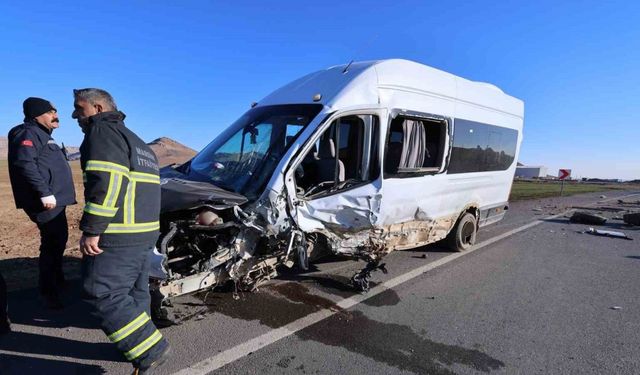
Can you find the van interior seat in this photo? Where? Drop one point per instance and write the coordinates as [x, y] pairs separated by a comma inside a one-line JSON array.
[[326, 163]]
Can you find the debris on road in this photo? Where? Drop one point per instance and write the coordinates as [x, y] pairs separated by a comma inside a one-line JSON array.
[[360, 280], [587, 218], [613, 209], [600, 208], [634, 203], [632, 219], [603, 196], [608, 233], [616, 308]]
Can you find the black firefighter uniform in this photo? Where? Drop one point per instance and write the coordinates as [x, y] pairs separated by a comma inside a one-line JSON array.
[[122, 195]]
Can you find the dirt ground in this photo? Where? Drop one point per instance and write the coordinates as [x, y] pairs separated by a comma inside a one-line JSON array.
[[20, 239]]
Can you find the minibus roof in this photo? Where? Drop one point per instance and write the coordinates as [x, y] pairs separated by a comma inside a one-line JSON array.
[[365, 83]]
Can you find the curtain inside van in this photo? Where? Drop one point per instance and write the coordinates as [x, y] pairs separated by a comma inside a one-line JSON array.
[[413, 145]]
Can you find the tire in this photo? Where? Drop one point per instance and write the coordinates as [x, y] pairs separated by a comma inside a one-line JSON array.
[[463, 236]]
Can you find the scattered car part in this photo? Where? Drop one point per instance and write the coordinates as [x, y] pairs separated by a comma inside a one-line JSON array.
[[600, 208], [360, 280], [583, 217], [608, 233], [632, 218]]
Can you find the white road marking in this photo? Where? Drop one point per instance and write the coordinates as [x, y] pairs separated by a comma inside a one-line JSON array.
[[239, 351]]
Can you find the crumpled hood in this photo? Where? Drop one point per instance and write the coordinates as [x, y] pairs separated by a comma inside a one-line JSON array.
[[179, 193]]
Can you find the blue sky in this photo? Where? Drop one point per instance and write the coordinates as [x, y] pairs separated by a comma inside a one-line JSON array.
[[187, 69]]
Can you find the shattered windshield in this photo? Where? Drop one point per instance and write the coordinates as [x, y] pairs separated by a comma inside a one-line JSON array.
[[243, 157]]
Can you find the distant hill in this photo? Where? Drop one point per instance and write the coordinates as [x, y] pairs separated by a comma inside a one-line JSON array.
[[73, 153], [166, 149], [170, 152]]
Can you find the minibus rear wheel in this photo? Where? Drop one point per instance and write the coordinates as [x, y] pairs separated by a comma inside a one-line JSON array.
[[463, 236]]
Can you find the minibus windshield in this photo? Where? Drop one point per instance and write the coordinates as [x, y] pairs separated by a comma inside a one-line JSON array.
[[243, 157]]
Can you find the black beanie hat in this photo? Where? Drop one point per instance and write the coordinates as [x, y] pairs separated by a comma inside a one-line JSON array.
[[34, 107]]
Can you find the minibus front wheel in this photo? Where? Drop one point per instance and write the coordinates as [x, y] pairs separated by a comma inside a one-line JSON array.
[[463, 236]]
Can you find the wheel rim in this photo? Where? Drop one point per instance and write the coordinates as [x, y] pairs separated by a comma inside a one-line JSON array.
[[467, 233]]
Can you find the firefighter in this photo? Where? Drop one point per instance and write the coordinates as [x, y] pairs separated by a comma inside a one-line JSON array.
[[42, 186], [119, 228]]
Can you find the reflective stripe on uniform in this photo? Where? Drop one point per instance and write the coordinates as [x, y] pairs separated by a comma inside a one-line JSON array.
[[99, 210], [147, 344], [132, 213], [118, 188], [115, 180], [125, 331], [132, 228], [145, 177], [106, 166], [129, 203]]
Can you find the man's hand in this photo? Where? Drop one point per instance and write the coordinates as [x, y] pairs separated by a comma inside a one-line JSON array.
[[89, 245], [49, 202]]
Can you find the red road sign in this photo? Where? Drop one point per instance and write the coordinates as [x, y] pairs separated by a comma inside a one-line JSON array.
[[564, 173]]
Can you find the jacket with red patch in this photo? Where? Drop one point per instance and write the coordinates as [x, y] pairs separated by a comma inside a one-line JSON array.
[[38, 168]]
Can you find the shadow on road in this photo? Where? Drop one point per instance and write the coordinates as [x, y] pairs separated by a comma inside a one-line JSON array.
[[25, 307], [333, 284], [32, 343], [436, 247], [396, 345], [12, 364], [22, 273]]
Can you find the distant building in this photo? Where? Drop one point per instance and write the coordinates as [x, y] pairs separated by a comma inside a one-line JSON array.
[[527, 171]]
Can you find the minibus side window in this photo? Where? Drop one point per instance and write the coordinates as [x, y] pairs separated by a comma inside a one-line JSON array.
[[479, 147], [415, 146], [342, 157]]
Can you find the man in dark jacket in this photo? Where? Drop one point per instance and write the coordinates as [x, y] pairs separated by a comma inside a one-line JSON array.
[[119, 228], [42, 186]]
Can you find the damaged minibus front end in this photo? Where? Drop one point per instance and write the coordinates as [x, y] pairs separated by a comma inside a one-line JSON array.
[[217, 222]]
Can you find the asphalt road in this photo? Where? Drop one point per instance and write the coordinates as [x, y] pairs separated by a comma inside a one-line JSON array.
[[536, 296]]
